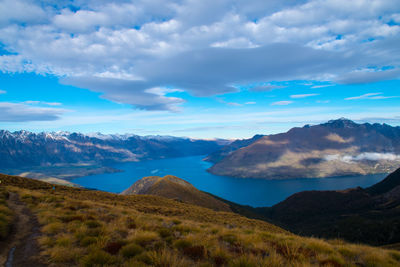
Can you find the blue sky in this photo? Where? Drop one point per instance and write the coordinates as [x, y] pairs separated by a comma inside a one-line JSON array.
[[204, 69]]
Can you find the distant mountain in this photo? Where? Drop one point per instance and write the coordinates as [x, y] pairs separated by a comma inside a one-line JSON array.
[[175, 188], [336, 148], [23, 148], [370, 215], [230, 148]]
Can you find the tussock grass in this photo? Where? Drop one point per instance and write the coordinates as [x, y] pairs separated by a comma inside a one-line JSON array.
[[6, 215], [90, 228]]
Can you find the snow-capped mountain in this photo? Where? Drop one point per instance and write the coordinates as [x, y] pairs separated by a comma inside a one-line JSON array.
[[24, 148]]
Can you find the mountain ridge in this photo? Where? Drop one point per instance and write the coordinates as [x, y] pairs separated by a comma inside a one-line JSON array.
[[24, 149], [369, 215], [176, 188], [336, 148]]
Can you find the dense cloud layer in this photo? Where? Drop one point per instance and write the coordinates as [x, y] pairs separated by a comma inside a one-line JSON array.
[[136, 52]]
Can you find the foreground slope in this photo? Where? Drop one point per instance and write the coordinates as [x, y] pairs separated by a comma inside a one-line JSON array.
[[175, 188], [370, 215], [92, 228], [336, 148]]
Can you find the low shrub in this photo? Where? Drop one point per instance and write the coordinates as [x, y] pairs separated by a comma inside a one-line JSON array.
[[165, 232], [130, 223], [97, 258], [195, 252], [220, 257], [87, 241], [6, 215], [64, 241], [229, 238], [182, 244], [113, 247], [145, 257], [131, 250], [53, 228], [145, 239], [92, 224]]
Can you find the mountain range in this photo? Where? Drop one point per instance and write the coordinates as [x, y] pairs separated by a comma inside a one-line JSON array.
[[336, 148], [26, 151]]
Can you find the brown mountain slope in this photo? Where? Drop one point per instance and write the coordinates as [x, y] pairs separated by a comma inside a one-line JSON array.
[[175, 188], [337, 148]]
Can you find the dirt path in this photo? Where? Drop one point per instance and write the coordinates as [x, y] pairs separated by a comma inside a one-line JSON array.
[[21, 248]]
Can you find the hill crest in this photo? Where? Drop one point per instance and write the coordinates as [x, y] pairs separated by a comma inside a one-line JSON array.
[[176, 188]]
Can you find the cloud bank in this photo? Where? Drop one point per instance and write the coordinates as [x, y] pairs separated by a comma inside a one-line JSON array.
[[364, 156], [124, 49]]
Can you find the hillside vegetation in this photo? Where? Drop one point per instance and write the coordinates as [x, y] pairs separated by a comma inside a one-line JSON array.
[[91, 228], [6, 215], [370, 215]]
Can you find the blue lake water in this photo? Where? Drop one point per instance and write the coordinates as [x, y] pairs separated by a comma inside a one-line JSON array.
[[254, 192]]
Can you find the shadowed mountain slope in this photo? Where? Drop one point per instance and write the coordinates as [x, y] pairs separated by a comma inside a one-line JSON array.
[[230, 148], [175, 188], [370, 215]]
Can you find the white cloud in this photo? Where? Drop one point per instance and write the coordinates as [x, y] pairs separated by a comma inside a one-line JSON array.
[[250, 103], [20, 11], [373, 156], [234, 104], [266, 88], [35, 102], [2, 92], [368, 76], [192, 40], [373, 96], [303, 95], [281, 103], [20, 112], [321, 86]]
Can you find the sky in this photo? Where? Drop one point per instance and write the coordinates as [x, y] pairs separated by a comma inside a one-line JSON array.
[[197, 68]]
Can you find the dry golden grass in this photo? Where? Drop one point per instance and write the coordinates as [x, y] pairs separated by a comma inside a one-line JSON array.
[[6, 215], [91, 228]]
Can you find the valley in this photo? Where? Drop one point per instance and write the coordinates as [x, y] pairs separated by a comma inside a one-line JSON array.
[[64, 155], [253, 192]]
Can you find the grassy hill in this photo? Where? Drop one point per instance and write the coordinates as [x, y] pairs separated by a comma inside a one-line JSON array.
[[173, 187], [81, 227]]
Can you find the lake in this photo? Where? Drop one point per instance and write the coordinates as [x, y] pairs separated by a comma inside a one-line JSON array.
[[253, 192]]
